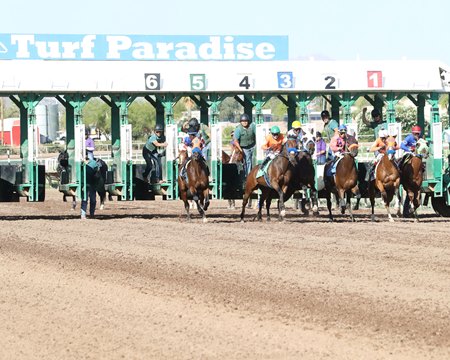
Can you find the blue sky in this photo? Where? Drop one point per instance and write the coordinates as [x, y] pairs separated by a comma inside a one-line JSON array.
[[327, 29]]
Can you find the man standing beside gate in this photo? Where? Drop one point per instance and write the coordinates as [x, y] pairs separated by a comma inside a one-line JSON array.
[[245, 141]]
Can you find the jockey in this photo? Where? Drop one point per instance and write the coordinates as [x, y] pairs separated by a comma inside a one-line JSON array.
[[338, 141], [296, 133], [338, 144], [379, 148], [201, 131], [186, 145], [273, 145], [409, 144]]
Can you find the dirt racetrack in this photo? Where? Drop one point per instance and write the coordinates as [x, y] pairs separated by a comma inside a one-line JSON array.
[[139, 282]]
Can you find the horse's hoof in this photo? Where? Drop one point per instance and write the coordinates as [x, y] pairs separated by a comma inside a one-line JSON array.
[[316, 213], [102, 207], [268, 219], [282, 213], [391, 220], [205, 220], [373, 217]]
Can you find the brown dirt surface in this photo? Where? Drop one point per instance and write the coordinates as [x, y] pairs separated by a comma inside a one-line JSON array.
[[139, 282]]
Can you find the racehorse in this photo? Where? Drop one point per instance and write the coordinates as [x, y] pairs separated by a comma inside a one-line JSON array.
[[304, 177], [194, 181], [344, 182], [63, 166], [411, 177], [236, 157], [387, 179], [276, 182]]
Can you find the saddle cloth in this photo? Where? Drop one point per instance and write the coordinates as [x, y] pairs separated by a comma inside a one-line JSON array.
[[263, 172]]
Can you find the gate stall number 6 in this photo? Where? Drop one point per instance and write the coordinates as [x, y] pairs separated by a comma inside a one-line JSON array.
[[152, 81]]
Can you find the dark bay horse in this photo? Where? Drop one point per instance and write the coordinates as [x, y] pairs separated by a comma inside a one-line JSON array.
[[63, 167], [387, 181], [304, 178], [411, 177], [236, 157], [195, 182], [276, 184], [344, 182]]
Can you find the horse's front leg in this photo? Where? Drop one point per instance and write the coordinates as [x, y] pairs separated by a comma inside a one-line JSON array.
[[416, 203], [384, 196], [268, 202], [183, 196], [281, 209], [329, 205], [372, 199], [315, 203], [264, 196], [102, 196], [342, 202]]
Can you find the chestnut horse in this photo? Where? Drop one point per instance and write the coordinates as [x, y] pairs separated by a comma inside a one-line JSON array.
[[276, 184], [196, 184], [387, 180], [344, 182], [411, 177]]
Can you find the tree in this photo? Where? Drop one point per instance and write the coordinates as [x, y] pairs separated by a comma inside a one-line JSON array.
[[142, 117], [229, 109]]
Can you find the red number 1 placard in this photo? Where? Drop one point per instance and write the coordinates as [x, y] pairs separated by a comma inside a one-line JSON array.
[[374, 79]]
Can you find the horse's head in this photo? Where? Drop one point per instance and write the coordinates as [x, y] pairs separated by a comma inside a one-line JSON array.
[[197, 154], [353, 150], [237, 156], [309, 146], [391, 144], [422, 148], [291, 151], [182, 156], [63, 159]]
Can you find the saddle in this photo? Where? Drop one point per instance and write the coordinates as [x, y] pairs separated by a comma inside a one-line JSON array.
[[262, 171]]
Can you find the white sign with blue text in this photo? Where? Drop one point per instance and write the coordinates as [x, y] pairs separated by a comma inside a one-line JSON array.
[[142, 47]]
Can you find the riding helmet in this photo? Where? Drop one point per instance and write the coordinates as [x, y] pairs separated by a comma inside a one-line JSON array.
[[325, 113], [245, 117], [375, 113], [383, 133], [296, 125], [274, 130], [416, 129], [159, 127], [342, 128]]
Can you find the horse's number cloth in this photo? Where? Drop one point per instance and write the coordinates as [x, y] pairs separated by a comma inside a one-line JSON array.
[[262, 171]]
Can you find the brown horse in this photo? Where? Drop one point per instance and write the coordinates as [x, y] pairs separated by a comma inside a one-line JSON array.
[[387, 181], [411, 177], [345, 181], [304, 178], [236, 157], [195, 182], [278, 178]]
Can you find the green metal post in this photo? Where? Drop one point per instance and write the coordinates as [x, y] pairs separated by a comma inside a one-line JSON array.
[[29, 186], [391, 101], [74, 116], [434, 172], [122, 167], [335, 107]]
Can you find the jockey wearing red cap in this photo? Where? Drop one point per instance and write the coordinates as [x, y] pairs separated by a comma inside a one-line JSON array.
[[410, 142]]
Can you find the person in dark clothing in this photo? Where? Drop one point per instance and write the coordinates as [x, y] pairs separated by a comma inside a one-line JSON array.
[[150, 153], [92, 179]]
